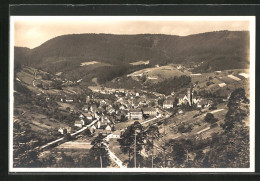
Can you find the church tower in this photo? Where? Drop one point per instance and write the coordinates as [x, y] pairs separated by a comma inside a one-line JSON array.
[[189, 95]]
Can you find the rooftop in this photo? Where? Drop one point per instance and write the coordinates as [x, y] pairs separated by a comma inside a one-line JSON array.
[[135, 110], [149, 109]]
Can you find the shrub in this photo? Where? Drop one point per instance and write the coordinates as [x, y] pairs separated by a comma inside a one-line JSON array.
[[184, 128], [209, 118]]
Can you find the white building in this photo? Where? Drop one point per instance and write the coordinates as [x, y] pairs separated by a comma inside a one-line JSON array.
[[168, 103]]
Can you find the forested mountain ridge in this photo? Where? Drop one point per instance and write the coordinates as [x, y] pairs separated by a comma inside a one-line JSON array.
[[210, 51]]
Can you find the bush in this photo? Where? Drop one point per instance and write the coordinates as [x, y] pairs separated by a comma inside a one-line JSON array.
[[184, 128], [87, 132], [209, 118]]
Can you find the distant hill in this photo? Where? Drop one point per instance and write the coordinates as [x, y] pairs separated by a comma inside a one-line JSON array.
[[207, 51], [21, 55]]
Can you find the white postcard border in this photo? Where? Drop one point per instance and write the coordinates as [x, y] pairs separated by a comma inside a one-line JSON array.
[[136, 18]]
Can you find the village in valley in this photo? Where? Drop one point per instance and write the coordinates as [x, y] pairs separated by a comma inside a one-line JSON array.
[[131, 92], [119, 127]]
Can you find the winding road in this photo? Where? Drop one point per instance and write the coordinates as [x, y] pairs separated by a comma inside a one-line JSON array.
[[114, 157]]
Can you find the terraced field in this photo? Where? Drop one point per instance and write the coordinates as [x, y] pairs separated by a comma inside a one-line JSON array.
[[163, 71]]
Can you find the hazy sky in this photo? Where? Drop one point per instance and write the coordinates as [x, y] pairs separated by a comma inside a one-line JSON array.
[[32, 32]]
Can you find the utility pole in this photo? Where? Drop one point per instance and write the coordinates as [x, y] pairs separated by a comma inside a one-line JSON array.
[[187, 157], [164, 159], [100, 158], [152, 153], [135, 150], [100, 161]]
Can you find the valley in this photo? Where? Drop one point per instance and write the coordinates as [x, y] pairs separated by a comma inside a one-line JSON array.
[[133, 101], [56, 104]]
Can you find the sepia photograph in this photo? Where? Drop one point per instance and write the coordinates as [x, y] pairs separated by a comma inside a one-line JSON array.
[[132, 94]]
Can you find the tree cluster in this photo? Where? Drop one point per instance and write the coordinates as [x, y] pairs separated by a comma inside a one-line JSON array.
[[171, 84]]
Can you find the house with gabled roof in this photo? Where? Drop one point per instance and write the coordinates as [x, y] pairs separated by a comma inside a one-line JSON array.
[[168, 103], [85, 108], [149, 111], [135, 114], [81, 116], [88, 116], [79, 123], [104, 129]]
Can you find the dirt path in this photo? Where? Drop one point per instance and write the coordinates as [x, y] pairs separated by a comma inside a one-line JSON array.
[[149, 120], [114, 157]]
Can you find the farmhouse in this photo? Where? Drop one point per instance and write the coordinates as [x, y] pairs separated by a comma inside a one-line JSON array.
[[67, 98], [108, 128], [135, 114], [79, 123], [104, 130], [115, 135], [65, 130]]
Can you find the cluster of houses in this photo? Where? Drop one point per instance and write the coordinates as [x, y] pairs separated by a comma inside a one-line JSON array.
[[105, 90], [185, 99], [131, 105], [65, 130], [128, 105]]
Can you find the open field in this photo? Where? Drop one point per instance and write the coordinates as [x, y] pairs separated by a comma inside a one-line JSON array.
[[219, 80], [162, 72], [211, 81], [88, 63], [198, 124], [140, 63], [25, 77], [74, 145], [38, 121]]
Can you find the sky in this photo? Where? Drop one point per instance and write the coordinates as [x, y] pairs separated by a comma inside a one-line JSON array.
[[33, 31]]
